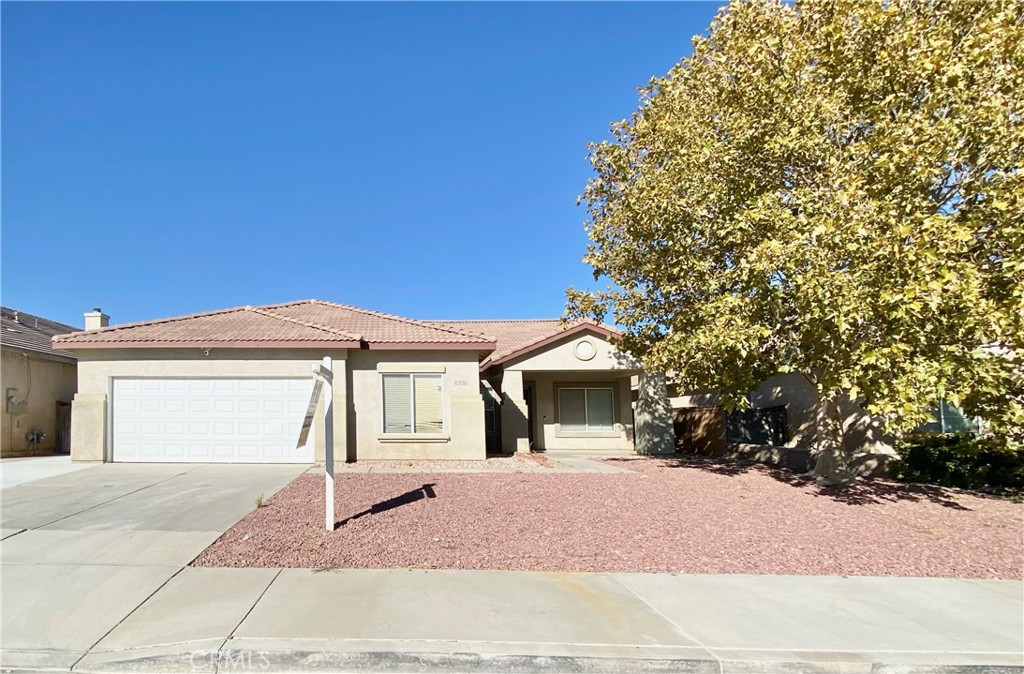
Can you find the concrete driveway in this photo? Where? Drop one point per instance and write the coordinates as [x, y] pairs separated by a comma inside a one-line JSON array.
[[22, 470], [82, 550]]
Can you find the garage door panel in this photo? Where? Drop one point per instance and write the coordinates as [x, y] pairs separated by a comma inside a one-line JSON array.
[[210, 420], [249, 428], [127, 405], [224, 406]]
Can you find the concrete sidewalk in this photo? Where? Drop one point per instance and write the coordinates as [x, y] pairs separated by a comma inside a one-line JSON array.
[[211, 619]]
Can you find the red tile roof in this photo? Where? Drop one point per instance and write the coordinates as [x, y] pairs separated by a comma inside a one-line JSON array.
[[305, 323], [376, 327], [316, 323]]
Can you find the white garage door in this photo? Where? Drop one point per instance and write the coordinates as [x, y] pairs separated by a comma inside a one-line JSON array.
[[210, 420]]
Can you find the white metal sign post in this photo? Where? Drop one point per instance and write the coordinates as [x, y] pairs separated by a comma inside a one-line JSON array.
[[324, 383]]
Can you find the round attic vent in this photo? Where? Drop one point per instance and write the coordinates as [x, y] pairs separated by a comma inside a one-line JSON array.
[[584, 349]]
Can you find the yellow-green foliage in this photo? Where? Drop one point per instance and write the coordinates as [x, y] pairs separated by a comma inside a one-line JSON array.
[[832, 188]]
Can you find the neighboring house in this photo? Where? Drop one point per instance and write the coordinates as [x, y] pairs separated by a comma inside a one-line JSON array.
[[38, 383], [233, 386]]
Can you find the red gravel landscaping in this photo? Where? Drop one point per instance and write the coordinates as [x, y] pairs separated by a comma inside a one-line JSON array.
[[664, 516]]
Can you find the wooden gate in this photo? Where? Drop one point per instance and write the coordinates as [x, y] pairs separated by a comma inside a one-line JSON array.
[[63, 439], [700, 430]]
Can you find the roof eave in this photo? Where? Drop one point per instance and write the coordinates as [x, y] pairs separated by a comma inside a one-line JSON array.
[[41, 353], [212, 344], [431, 346], [280, 344]]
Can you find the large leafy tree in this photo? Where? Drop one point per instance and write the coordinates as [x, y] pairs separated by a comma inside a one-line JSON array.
[[832, 188]]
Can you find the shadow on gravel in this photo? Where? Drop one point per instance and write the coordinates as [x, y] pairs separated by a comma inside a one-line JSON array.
[[426, 491], [863, 491]]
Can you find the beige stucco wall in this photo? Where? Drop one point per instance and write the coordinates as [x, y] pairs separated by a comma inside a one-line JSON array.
[[514, 413], [89, 422], [652, 416], [559, 356], [42, 383], [464, 432], [357, 395]]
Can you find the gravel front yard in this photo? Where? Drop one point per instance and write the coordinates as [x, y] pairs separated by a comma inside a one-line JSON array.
[[664, 516]]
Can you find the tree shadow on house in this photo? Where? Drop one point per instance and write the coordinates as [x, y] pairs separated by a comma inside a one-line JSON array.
[[862, 491], [418, 494]]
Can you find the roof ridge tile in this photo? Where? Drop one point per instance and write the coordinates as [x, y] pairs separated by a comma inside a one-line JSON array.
[[309, 324], [491, 320], [400, 319]]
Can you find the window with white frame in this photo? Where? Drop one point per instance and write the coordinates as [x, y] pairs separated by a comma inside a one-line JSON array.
[[586, 409], [412, 403], [947, 418]]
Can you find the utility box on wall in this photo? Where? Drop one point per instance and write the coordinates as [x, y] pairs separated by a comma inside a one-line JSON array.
[[15, 406]]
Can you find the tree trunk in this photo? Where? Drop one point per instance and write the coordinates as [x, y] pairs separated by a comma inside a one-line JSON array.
[[831, 464]]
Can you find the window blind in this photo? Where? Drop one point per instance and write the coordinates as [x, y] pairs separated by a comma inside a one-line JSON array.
[[397, 403], [586, 409], [572, 409], [599, 409], [429, 418]]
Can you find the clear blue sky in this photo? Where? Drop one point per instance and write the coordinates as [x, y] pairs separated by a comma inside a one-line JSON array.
[[420, 159]]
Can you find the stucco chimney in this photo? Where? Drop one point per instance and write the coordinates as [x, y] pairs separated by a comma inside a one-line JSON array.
[[96, 319]]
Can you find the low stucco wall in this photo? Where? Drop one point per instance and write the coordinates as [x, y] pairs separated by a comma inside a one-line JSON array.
[[864, 437], [89, 414], [464, 435], [42, 382], [865, 440]]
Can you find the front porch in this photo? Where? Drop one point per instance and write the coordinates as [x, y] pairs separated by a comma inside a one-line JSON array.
[[572, 390], [570, 410]]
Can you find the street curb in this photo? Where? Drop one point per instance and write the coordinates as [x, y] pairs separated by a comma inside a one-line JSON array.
[[391, 662]]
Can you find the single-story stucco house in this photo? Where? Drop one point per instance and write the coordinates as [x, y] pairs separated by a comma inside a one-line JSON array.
[[233, 386], [38, 383]]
